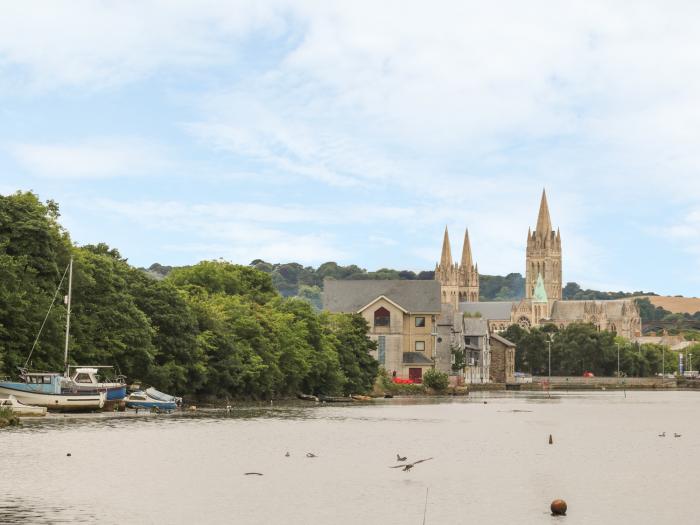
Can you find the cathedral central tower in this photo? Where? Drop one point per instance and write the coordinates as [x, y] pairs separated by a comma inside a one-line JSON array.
[[543, 255]]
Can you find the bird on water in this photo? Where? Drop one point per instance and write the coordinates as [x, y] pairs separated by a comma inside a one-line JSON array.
[[663, 434], [311, 455], [409, 466], [676, 435], [287, 454], [399, 458]]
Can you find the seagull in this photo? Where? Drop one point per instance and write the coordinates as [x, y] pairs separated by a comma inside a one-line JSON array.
[[663, 434], [311, 455], [399, 458], [409, 466], [287, 454], [675, 435]]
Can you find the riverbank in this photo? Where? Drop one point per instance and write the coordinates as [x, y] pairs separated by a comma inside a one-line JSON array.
[[8, 418]]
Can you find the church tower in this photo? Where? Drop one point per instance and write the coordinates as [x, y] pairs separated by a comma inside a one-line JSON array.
[[468, 274], [459, 282], [543, 256], [447, 273]]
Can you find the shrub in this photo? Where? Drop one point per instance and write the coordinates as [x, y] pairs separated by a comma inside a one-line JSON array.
[[436, 380]]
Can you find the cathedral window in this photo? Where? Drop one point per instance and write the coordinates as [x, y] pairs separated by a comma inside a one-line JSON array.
[[382, 317]]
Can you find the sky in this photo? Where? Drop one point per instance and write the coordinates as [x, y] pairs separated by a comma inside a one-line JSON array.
[[356, 131]]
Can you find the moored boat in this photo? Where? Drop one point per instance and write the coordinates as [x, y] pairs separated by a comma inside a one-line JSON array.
[[86, 379], [144, 399], [358, 397], [49, 389], [20, 409]]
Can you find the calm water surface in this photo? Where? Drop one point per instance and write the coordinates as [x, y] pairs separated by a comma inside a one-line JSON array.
[[492, 463]]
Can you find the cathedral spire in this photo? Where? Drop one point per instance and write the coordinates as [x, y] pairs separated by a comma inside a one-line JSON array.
[[466, 252], [544, 224], [446, 257]]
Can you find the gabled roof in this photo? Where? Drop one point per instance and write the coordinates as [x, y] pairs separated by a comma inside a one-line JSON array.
[[502, 340], [352, 296], [489, 310], [475, 326]]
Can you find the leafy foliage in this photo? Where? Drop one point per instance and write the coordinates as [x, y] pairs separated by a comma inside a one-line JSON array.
[[580, 347], [210, 330], [436, 380]]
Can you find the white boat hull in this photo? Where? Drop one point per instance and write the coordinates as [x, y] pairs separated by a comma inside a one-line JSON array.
[[20, 409], [59, 402]]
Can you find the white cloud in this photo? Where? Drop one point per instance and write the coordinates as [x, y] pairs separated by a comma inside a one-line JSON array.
[[88, 44], [88, 160]]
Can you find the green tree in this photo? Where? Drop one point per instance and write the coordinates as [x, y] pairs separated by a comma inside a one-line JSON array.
[[353, 347]]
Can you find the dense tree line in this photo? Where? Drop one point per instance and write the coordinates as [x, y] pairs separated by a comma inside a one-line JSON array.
[[578, 348], [210, 330]]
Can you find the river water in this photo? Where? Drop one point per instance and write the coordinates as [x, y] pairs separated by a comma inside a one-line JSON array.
[[492, 463]]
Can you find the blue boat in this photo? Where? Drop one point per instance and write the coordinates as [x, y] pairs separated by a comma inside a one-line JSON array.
[[152, 398], [85, 379]]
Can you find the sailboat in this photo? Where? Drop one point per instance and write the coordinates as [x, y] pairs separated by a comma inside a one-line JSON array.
[[54, 390]]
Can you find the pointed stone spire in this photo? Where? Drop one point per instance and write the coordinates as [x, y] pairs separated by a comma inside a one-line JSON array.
[[544, 224], [466, 252], [446, 257]]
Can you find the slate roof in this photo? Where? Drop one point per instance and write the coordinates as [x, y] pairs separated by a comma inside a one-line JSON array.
[[502, 340], [412, 296], [488, 310], [416, 358], [475, 327]]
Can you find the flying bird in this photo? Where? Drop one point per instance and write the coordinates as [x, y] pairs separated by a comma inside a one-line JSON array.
[[399, 458], [409, 466]]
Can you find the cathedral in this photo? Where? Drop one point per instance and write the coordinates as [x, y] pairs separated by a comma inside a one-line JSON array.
[[543, 302]]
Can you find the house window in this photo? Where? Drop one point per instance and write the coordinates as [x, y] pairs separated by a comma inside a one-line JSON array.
[[420, 322], [382, 317], [381, 348], [420, 346]]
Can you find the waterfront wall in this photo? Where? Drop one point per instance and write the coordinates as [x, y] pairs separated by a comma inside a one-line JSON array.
[[583, 383]]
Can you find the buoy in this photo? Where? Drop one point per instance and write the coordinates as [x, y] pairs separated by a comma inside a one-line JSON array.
[[485, 402], [551, 441], [558, 507], [68, 454]]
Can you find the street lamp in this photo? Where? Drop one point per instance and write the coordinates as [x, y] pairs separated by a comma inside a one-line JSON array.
[[549, 378], [618, 360], [690, 361]]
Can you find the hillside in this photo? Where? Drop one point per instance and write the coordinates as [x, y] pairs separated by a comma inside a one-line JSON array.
[[676, 305]]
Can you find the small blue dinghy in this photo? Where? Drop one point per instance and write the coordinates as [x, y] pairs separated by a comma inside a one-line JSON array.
[[152, 398]]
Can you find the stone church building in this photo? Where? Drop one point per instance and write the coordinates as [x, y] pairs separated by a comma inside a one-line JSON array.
[[543, 302]]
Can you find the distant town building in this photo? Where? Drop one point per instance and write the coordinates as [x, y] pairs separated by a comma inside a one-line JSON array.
[[402, 316]]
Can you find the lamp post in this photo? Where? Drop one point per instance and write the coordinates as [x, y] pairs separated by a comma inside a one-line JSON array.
[[549, 366], [618, 360], [690, 361]]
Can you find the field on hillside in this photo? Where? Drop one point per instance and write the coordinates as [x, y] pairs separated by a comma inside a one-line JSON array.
[[676, 304]]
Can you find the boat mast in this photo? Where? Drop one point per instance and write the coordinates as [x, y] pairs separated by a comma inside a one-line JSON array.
[[70, 288]]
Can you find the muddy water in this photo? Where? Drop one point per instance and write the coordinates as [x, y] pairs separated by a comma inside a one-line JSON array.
[[491, 463]]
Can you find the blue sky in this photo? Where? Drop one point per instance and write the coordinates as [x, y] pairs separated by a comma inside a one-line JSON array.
[[355, 131]]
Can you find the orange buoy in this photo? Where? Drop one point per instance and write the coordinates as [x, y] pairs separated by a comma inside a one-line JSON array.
[[558, 507]]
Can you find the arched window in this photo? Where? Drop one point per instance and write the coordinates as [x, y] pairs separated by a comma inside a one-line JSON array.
[[382, 317]]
